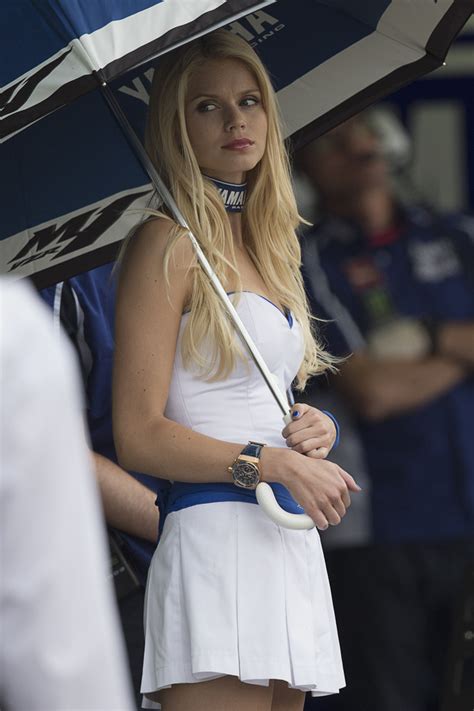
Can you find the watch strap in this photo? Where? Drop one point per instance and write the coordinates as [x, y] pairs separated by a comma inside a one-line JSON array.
[[253, 449]]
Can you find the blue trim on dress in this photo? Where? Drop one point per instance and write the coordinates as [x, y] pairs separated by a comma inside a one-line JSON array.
[[286, 313], [185, 494]]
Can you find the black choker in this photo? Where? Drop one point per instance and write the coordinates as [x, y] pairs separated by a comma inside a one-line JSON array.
[[232, 194]]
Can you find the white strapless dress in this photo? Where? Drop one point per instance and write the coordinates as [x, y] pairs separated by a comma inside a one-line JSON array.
[[229, 592]]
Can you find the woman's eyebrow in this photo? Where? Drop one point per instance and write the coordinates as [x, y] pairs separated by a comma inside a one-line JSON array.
[[205, 95]]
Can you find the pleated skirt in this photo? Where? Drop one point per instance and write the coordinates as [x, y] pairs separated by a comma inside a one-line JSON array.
[[231, 593]]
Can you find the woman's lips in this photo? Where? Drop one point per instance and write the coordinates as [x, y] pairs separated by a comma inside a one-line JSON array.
[[239, 144]]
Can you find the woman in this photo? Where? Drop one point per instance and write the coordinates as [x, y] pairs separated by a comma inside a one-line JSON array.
[[233, 601]]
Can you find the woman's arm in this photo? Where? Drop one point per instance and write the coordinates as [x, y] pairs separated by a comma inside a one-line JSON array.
[[148, 318], [147, 323]]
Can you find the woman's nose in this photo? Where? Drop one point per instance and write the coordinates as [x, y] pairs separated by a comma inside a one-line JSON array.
[[234, 119]]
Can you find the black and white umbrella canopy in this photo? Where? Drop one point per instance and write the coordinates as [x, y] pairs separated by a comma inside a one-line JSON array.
[[57, 50], [71, 176]]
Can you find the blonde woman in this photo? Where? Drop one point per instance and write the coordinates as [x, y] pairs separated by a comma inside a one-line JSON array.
[[238, 612]]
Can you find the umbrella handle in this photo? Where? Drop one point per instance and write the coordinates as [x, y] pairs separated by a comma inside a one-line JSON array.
[[266, 499]]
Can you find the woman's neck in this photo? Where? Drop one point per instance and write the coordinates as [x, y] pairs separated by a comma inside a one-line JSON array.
[[235, 220], [233, 194]]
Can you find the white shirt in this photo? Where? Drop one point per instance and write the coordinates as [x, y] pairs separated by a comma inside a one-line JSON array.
[[60, 644]]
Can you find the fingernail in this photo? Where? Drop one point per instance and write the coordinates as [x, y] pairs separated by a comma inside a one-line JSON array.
[[295, 413]]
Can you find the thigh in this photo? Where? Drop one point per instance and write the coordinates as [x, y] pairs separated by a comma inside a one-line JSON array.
[[286, 699], [226, 692]]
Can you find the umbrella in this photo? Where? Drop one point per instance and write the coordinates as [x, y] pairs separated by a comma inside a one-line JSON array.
[[72, 176], [51, 107]]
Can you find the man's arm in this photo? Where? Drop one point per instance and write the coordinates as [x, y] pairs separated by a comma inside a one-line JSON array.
[[128, 504], [380, 388], [455, 339]]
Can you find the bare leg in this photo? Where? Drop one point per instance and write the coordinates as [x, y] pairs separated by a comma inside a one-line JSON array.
[[286, 699], [226, 692]]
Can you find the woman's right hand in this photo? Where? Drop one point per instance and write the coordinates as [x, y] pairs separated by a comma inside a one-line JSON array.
[[320, 487]]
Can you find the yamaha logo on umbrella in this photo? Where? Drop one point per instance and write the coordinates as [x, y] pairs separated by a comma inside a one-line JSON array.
[[76, 233], [256, 27]]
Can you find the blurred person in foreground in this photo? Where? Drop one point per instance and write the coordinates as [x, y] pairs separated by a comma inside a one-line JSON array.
[[60, 645], [404, 276], [84, 308]]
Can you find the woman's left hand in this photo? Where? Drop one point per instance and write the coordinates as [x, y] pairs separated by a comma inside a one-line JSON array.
[[311, 432]]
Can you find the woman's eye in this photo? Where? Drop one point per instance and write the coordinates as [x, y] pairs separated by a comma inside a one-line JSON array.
[[206, 106], [250, 101]]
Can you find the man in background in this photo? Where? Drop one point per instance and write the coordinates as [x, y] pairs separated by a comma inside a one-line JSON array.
[[403, 275]]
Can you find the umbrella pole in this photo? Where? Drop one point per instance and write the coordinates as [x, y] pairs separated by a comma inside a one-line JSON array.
[[264, 492]]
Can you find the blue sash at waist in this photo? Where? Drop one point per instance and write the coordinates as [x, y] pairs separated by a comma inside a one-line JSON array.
[[182, 495]]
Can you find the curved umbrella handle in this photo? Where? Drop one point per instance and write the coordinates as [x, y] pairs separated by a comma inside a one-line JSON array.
[[266, 499]]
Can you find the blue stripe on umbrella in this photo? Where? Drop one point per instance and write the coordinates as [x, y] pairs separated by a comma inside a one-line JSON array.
[[47, 30], [300, 45], [75, 177]]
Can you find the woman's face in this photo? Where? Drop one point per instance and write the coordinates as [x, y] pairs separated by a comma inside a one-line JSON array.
[[226, 122]]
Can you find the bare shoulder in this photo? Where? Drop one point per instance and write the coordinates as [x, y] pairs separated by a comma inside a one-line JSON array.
[[148, 246], [150, 272]]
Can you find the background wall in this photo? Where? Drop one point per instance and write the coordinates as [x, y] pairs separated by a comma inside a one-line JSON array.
[[438, 112]]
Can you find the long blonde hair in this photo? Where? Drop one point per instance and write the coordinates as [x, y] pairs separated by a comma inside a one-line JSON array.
[[269, 219]]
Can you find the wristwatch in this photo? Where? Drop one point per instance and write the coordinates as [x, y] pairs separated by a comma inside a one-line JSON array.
[[244, 470]]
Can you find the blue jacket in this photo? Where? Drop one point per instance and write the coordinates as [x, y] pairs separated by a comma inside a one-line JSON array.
[[85, 306], [421, 462]]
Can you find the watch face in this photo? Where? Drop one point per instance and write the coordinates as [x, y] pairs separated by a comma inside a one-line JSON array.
[[246, 474]]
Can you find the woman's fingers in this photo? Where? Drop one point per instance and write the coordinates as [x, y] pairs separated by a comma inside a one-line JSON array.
[[351, 483], [322, 488], [305, 433], [328, 516], [318, 453], [299, 414], [333, 517], [346, 499], [329, 507], [320, 520], [307, 445], [311, 429]]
